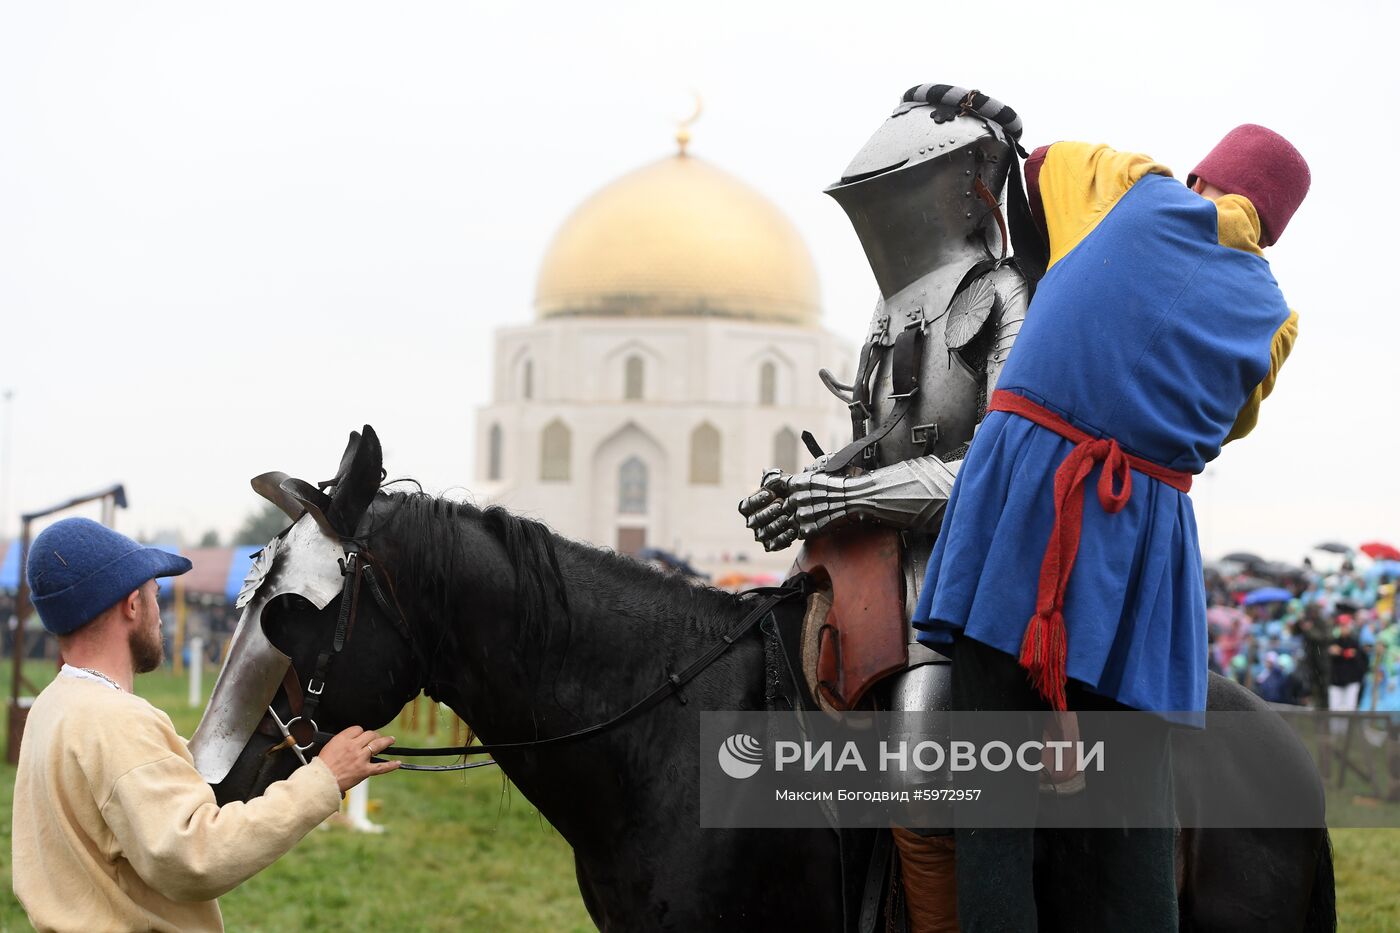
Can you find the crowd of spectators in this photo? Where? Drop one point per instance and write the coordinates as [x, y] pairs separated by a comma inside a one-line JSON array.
[[1323, 634]]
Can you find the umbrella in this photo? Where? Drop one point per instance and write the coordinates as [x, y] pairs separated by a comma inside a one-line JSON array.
[[1333, 547], [1244, 557], [1274, 568], [1229, 568], [1383, 568], [1326, 561], [1379, 550], [1267, 594]]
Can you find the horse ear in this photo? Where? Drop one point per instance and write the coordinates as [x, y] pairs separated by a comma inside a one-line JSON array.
[[347, 458], [269, 486], [361, 470], [311, 500]]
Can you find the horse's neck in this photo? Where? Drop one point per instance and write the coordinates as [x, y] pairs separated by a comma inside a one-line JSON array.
[[625, 628]]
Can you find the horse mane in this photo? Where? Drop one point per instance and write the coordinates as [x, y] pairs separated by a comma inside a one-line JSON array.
[[431, 535]]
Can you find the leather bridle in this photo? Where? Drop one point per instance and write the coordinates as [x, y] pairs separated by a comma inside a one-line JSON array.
[[301, 734]]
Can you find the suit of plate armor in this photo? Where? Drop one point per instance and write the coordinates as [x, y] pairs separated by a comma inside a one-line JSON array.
[[924, 197]]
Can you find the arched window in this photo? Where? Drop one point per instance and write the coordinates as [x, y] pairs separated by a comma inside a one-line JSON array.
[[768, 384], [785, 451], [554, 452], [632, 487], [493, 453], [704, 455], [632, 377], [527, 379]]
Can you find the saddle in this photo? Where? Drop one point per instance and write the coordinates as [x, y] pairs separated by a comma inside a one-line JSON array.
[[855, 631], [871, 895]]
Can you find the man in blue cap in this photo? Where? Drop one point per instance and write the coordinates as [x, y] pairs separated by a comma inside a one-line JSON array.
[[114, 829]]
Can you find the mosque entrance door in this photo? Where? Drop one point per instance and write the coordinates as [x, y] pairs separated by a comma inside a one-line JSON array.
[[631, 541]]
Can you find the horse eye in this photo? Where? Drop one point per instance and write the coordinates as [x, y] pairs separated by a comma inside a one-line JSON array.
[[289, 607]]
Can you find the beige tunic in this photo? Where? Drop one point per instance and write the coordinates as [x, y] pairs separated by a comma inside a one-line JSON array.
[[114, 829]]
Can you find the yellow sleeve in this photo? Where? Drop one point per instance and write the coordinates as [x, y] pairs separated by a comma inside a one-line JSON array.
[[1079, 183], [1237, 224], [1282, 346], [168, 825]]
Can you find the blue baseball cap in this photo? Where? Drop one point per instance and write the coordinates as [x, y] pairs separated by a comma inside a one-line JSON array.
[[78, 569]]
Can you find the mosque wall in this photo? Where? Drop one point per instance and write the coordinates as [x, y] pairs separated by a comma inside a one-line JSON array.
[[667, 468]]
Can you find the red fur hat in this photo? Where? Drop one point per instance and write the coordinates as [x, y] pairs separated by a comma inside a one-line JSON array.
[[1261, 165]]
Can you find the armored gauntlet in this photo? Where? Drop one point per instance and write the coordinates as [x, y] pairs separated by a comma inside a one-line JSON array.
[[908, 494]]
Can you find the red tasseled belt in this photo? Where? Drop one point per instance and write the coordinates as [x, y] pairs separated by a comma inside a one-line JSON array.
[[1045, 645]]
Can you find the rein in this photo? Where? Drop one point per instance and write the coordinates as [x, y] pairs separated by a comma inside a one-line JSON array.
[[356, 567]]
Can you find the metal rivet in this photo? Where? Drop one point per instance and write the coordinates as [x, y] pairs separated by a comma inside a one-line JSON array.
[[967, 194], [968, 172], [969, 214]]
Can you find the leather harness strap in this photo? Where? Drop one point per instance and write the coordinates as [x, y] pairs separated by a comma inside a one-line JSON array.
[[906, 368], [771, 597], [990, 200], [355, 568], [905, 360]]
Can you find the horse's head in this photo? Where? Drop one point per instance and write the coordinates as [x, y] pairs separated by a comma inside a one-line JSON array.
[[321, 644]]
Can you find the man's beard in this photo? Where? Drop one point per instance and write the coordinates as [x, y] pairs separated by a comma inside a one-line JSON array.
[[147, 649]]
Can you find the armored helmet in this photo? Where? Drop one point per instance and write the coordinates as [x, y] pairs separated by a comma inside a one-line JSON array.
[[925, 189]]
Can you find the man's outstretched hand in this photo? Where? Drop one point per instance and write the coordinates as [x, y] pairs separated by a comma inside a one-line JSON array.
[[348, 756]]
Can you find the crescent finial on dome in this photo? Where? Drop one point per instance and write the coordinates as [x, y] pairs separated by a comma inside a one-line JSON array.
[[683, 127]]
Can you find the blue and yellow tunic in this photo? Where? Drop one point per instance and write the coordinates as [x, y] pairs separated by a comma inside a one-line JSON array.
[[1158, 324]]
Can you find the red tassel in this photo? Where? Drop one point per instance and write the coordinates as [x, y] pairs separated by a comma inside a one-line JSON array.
[[1043, 653], [1045, 646]]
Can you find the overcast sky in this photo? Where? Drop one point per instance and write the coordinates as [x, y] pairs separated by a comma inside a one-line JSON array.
[[230, 233]]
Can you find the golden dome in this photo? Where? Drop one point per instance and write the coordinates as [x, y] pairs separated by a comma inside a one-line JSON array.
[[679, 237]]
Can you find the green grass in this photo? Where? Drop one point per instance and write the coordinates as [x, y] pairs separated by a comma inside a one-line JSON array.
[[468, 852], [1368, 879]]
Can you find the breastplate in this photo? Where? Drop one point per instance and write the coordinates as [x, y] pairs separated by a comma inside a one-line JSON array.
[[945, 409]]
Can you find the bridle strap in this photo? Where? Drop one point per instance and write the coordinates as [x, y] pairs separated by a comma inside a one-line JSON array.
[[672, 685], [356, 568], [353, 569]]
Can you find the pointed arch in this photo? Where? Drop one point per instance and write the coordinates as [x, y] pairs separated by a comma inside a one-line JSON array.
[[521, 381], [785, 450], [768, 383], [705, 455], [556, 442], [632, 481], [495, 441], [634, 378]]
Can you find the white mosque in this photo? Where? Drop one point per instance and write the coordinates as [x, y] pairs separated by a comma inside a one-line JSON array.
[[673, 358]]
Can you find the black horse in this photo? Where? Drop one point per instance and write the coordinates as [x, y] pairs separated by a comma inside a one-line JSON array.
[[527, 635]]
